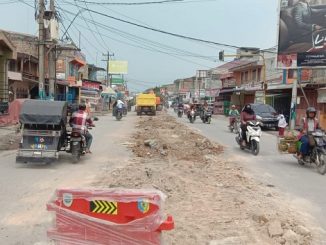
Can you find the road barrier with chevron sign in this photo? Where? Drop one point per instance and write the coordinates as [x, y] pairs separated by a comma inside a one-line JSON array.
[[104, 207], [108, 217]]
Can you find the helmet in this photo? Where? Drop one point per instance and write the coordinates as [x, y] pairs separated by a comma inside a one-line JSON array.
[[311, 110], [82, 107], [247, 107]]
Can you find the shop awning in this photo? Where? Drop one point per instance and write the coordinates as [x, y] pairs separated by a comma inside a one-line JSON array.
[[16, 76], [62, 82], [283, 86], [93, 92], [109, 91], [223, 91], [78, 61]]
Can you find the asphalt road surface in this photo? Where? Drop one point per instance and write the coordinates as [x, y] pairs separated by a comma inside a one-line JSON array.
[[25, 189], [304, 186]]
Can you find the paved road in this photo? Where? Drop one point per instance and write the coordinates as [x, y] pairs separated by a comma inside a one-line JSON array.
[[304, 185], [25, 189]]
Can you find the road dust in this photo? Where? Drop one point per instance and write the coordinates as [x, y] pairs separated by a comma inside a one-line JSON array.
[[211, 199]]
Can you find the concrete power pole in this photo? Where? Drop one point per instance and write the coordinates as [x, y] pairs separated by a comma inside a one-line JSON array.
[[294, 99], [52, 60], [41, 61], [108, 80]]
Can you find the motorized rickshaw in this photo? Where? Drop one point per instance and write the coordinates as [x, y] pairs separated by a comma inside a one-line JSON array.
[[44, 132]]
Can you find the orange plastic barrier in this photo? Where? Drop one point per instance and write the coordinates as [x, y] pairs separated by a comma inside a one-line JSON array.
[[108, 217]]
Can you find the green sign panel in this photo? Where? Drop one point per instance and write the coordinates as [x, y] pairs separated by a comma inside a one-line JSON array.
[[117, 81]]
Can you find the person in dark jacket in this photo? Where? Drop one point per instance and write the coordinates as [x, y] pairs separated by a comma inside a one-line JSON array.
[[310, 125], [246, 115], [304, 21]]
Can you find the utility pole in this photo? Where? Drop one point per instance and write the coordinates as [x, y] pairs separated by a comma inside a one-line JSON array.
[[108, 80], [294, 99], [52, 59], [41, 61]]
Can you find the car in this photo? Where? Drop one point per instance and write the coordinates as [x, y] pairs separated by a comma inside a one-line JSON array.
[[268, 115]]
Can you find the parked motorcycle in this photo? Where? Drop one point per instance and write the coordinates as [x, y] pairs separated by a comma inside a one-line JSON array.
[[206, 117], [317, 155], [253, 135], [192, 116], [180, 112], [235, 125]]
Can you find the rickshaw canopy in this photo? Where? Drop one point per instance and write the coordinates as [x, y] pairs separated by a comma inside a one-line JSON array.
[[43, 112]]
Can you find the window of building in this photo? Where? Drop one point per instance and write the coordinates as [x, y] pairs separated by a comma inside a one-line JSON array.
[[259, 74], [12, 65], [292, 74], [254, 75], [246, 76]]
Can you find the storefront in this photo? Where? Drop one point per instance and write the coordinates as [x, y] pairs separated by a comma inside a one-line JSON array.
[[91, 91], [279, 96], [321, 100]]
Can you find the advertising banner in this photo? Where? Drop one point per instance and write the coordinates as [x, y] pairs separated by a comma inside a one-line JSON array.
[[118, 67], [117, 81], [302, 34]]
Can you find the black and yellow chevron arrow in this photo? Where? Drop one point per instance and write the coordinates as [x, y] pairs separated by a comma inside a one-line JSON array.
[[104, 207]]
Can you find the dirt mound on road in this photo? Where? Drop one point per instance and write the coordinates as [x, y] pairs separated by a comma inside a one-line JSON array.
[[210, 198], [162, 136]]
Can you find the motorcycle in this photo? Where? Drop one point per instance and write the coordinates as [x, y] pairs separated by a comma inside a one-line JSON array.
[[180, 112], [119, 114], [78, 144], [192, 116], [207, 117], [235, 125], [253, 135], [317, 154]]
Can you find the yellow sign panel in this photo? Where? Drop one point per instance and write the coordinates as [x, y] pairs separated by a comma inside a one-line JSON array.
[[118, 67], [104, 207]]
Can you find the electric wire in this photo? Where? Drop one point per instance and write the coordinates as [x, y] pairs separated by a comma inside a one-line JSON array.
[[156, 44]]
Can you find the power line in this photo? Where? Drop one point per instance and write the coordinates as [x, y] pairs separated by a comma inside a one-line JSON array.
[[30, 5], [131, 3], [152, 43], [162, 31], [146, 47], [95, 37]]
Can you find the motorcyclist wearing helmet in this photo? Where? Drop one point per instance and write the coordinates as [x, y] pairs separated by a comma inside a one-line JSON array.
[[310, 125], [233, 114], [79, 121], [247, 115]]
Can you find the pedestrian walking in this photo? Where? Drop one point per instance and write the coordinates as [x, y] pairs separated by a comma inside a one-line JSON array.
[[282, 124]]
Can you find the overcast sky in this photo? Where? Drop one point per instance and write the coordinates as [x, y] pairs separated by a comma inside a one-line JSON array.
[[155, 58]]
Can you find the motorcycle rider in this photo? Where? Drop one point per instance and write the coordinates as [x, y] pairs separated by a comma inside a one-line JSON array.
[[310, 125], [233, 113], [192, 108], [180, 106], [120, 104], [247, 115], [79, 121]]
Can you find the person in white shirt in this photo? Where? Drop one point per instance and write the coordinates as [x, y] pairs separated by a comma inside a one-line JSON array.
[[282, 124]]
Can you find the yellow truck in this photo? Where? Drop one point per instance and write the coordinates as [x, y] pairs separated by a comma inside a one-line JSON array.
[[146, 103]]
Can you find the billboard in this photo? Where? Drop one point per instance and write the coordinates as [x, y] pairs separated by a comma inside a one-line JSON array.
[[302, 34], [118, 67], [117, 81]]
